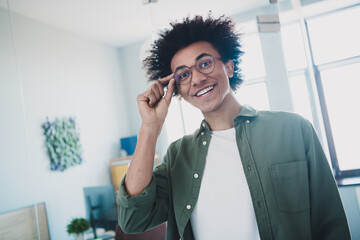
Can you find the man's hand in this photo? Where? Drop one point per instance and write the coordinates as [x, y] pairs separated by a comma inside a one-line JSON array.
[[153, 105]]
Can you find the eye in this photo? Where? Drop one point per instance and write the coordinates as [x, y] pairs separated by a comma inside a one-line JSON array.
[[205, 63], [183, 75]]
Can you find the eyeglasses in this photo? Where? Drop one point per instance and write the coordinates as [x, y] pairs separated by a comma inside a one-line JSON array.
[[205, 65]]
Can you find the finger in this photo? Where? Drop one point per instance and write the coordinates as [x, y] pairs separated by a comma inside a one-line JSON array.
[[152, 98], [159, 89], [157, 95], [166, 79], [142, 98], [170, 90]]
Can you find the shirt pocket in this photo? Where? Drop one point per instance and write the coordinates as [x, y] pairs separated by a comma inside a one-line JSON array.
[[291, 186]]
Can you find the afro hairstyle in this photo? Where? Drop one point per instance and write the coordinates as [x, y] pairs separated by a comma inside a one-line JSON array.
[[219, 32]]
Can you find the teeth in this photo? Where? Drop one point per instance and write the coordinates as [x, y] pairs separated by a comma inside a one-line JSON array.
[[206, 90]]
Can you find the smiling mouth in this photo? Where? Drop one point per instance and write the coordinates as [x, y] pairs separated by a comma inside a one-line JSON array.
[[204, 91]]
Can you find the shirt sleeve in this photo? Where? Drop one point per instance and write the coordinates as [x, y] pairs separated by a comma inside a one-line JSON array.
[[150, 208], [328, 217], [139, 202]]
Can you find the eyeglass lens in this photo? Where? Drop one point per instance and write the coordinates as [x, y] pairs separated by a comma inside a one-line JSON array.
[[204, 65]]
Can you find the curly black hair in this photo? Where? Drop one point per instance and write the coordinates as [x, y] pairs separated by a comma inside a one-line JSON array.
[[219, 32]]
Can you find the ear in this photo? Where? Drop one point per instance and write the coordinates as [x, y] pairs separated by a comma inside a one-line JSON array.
[[230, 68]]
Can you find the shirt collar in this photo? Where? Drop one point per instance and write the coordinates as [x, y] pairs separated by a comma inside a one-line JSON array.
[[247, 112]]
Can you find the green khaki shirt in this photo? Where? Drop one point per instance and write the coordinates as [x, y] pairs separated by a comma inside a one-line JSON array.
[[291, 185]]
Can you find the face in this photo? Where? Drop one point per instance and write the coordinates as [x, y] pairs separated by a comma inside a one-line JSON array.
[[206, 91]]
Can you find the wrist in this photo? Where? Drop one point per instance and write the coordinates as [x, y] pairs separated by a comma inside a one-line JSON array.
[[150, 129]]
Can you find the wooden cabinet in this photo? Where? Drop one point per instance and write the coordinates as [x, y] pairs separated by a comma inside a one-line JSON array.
[[119, 167]]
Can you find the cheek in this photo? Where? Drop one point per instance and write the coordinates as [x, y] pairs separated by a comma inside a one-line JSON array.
[[225, 82], [182, 89], [180, 92]]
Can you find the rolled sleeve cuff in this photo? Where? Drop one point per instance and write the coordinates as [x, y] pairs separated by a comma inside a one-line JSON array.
[[144, 200]]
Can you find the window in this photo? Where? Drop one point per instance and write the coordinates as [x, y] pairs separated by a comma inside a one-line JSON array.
[[300, 96], [252, 65], [334, 39], [182, 119], [254, 94], [335, 55], [335, 36], [253, 91], [174, 122], [293, 46], [295, 60], [341, 92], [302, 90]]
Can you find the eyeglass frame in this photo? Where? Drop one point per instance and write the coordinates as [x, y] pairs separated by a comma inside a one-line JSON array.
[[190, 68]]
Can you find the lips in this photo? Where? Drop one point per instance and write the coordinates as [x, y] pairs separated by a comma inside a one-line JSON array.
[[204, 91]]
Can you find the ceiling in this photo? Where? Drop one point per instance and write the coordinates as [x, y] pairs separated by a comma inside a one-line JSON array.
[[120, 22]]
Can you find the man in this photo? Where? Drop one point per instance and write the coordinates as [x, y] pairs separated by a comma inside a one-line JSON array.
[[243, 174]]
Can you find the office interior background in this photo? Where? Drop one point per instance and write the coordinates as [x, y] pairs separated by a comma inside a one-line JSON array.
[[83, 59]]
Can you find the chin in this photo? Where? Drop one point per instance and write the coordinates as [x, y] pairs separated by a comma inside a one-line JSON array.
[[208, 109]]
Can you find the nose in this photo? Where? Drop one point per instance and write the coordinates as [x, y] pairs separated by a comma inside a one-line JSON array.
[[197, 77]]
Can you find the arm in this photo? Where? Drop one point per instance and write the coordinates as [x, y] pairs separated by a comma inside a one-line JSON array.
[[143, 196], [328, 217], [153, 108]]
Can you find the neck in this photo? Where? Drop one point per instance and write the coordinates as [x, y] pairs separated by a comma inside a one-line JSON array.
[[223, 117]]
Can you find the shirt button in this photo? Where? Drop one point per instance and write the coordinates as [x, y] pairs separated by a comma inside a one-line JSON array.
[[203, 124], [204, 143], [247, 121], [196, 175], [249, 168], [188, 206], [202, 133]]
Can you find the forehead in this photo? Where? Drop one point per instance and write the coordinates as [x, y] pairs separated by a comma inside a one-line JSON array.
[[186, 56]]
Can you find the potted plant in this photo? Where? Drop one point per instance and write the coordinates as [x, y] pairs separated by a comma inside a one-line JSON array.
[[78, 226]]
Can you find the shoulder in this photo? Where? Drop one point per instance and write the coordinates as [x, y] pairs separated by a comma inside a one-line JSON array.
[[280, 122], [282, 118], [279, 116]]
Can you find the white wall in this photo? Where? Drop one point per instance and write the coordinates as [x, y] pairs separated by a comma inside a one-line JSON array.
[[135, 81], [62, 75]]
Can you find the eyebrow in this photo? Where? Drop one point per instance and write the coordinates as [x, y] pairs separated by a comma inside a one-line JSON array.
[[196, 59]]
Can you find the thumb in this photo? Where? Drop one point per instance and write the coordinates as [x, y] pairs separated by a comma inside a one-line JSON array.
[[170, 90]]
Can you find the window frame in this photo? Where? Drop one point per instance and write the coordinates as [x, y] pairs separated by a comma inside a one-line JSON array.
[[342, 177]]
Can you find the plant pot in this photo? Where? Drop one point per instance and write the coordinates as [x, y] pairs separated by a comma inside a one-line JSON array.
[[79, 236]]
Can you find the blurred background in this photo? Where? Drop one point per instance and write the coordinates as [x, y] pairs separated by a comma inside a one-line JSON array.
[[82, 58]]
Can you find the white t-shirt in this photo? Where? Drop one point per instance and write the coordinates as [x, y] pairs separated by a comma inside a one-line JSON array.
[[224, 209]]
